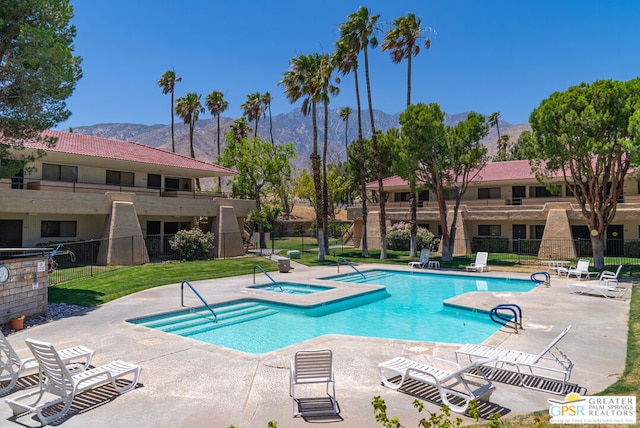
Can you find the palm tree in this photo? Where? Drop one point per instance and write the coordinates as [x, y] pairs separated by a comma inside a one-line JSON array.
[[345, 112], [346, 59], [189, 108], [238, 130], [216, 104], [253, 108], [266, 102], [301, 82], [168, 82], [402, 40], [359, 31]]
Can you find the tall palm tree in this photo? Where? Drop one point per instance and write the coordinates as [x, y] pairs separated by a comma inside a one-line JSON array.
[[189, 108], [359, 29], [402, 40], [345, 112], [168, 82], [301, 82], [346, 59], [266, 102], [327, 90], [239, 129], [253, 108], [216, 104]]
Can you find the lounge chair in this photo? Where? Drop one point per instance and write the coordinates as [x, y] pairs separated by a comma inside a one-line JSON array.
[[607, 275], [57, 380], [605, 290], [456, 386], [481, 262], [424, 260], [313, 367], [12, 366], [580, 271], [551, 363]]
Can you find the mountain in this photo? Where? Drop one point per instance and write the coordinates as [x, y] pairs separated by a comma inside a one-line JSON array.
[[292, 126]]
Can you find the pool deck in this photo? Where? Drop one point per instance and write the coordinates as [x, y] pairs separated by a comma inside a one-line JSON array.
[[187, 383]]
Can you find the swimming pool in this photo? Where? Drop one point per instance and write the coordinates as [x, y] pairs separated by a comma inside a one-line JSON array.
[[291, 288], [411, 308]]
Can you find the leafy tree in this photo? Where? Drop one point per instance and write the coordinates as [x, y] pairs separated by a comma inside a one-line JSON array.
[[216, 104], [258, 163], [189, 108], [403, 41], [38, 72], [358, 35], [346, 59], [450, 158], [590, 135], [302, 81], [168, 83], [304, 188]]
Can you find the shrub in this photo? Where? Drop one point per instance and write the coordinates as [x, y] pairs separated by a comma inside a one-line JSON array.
[[490, 244], [632, 248], [191, 244], [399, 238]]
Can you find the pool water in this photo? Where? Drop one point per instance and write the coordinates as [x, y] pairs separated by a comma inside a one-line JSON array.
[[411, 308], [291, 288]]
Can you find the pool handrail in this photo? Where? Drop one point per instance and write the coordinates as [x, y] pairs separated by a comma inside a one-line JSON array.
[[215, 317], [268, 276], [511, 307], [347, 262]]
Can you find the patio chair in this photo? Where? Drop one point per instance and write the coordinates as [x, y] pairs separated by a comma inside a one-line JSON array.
[[455, 384], [605, 290], [313, 367], [12, 366], [481, 262], [550, 364], [580, 271], [607, 275], [57, 380], [424, 260]]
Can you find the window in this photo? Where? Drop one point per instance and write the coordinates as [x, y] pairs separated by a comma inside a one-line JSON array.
[[489, 230], [58, 229], [59, 172], [489, 193], [423, 195], [119, 178], [154, 181], [541, 192], [401, 196], [536, 231]]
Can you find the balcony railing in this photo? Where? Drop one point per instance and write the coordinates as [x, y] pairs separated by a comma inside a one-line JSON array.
[[96, 188]]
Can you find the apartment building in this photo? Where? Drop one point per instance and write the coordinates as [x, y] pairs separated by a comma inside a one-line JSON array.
[[88, 187]]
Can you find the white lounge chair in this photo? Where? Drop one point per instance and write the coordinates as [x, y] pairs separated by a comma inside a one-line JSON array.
[[424, 260], [456, 386], [551, 363], [481, 262], [607, 275], [605, 290], [57, 380], [313, 367], [580, 271], [12, 366]]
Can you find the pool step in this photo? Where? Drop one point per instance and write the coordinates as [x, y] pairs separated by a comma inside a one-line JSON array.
[[188, 323]]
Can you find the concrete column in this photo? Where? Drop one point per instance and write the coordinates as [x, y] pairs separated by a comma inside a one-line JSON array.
[[227, 236], [123, 242], [557, 241]]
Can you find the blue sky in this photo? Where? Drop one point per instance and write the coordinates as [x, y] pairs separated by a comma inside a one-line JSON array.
[[485, 56]]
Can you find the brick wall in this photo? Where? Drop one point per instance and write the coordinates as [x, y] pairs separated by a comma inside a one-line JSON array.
[[25, 293]]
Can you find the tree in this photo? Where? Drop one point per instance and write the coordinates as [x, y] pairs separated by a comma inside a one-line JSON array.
[[449, 159], [168, 82], [344, 113], [216, 104], [189, 108], [301, 82], [239, 129], [403, 42], [258, 163], [266, 102], [590, 135], [253, 108], [38, 72]]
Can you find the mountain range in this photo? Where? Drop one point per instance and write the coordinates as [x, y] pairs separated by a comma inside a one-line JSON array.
[[287, 127]]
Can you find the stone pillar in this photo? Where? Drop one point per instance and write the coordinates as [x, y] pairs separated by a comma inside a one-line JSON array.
[[123, 242], [373, 230], [26, 290], [557, 241], [227, 236], [462, 242]]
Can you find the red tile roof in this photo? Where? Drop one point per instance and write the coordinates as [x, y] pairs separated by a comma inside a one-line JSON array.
[[87, 145], [493, 171]]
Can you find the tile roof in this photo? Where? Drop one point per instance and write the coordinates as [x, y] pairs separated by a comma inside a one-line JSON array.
[[493, 171], [86, 145]]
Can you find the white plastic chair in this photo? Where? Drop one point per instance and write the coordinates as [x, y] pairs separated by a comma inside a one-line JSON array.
[[581, 270], [424, 260], [607, 275], [58, 381], [481, 262]]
